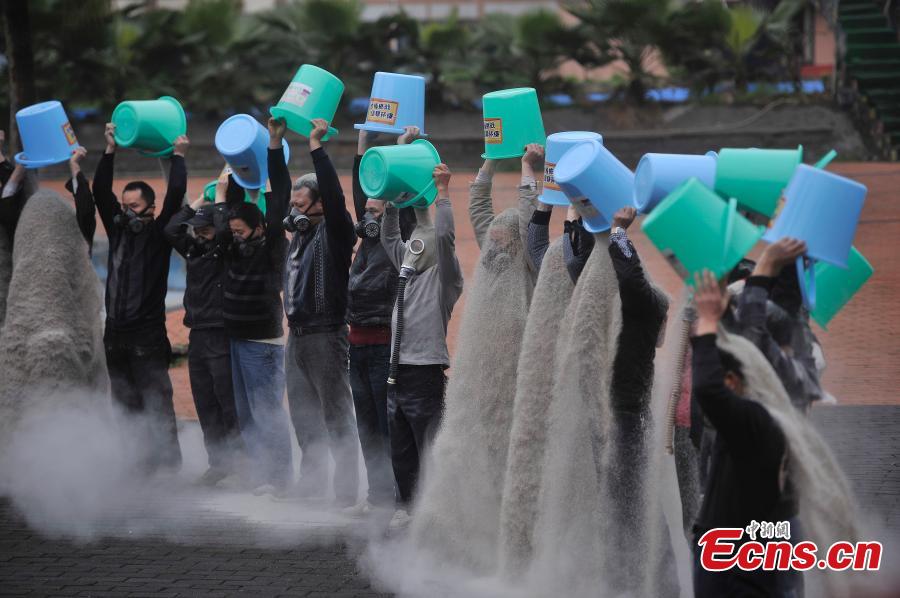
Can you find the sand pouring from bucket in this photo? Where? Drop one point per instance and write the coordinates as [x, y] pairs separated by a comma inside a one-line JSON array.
[[244, 143], [400, 173], [397, 101], [47, 136], [657, 175], [756, 177], [512, 120], [557, 145], [312, 93], [822, 209], [149, 126], [697, 230], [836, 286], [596, 183]]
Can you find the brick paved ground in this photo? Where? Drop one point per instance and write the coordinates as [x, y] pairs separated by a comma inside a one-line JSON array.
[[188, 542]]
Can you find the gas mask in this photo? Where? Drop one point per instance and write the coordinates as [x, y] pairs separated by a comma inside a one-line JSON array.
[[297, 222], [132, 220], [420, 249], [203, 247], [369, 227], [248, 248]]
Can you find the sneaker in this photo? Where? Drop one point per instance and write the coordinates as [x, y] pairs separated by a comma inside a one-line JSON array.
[[400, 520], [212, 477], [358, 511]]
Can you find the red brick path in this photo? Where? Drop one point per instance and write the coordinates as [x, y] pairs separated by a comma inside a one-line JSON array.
[[862, 344]]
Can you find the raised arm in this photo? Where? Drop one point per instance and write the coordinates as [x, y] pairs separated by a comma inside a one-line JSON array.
[[338, 223], [634, 288], [6, 168], [532, 162], [363, 143], [176, 230], [449, 270], [106, 201], [177, 187], [278, 199], [85, 213], [481, 208], [539, 235], [390, 235]]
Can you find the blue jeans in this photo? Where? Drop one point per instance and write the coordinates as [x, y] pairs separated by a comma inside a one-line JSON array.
[[257, 370], [368, 380]]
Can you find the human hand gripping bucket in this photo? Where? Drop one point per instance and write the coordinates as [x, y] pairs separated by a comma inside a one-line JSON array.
[[244, 143], [149, 126], [557, 145], [313, 93], [596, 183], [657, 175], [822, 209], [47, 135], [756, 177], [209, 194], [512, 120], [401, 174], [397, 102], [696, 230], [836, 286]]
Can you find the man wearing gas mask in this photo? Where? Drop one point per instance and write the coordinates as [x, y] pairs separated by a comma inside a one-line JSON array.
[[371, 294], [315, 301], [193, 235], [137, 348], [431, 282], [254, 248]]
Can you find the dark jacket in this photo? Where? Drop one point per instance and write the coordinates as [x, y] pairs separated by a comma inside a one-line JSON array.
[[318, 262], [748, 452], [372, 287], [643, 316], [205, 272], [138, 267], [85, 212], [251, 301]]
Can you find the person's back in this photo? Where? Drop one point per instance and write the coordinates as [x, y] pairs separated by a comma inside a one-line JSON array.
[[749, 472]]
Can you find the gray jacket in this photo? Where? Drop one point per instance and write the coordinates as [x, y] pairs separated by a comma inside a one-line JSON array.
[[430, 295]]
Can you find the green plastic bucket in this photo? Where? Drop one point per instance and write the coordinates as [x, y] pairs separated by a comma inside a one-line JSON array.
[[149, 126], [313, 93], [400, 173], [696, 230], [512, 120], [836, 286], [209, 194], [756, 177]]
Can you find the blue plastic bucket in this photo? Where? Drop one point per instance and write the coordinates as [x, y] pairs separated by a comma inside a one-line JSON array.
[[244, 143], [47, 135], [397, 102], [657, 175], [557, 145]]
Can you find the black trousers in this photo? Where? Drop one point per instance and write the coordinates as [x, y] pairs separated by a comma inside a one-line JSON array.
[[138, 364], [368, 381], [415, 406], [209, 367]]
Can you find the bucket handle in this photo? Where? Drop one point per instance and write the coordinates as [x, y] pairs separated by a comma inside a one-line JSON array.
[[730, 216], [826, 159], [806, 276]]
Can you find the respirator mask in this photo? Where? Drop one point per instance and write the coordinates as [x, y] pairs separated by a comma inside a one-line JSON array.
[[131, 220], [297, 222], [368, 228], [420, 249]]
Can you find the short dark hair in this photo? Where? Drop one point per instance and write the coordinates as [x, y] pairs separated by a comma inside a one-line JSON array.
[[249, 213], [731, 364], [146, 190]]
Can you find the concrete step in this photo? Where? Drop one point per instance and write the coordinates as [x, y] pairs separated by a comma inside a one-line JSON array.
[[876, 51], [870, 35], [862, 20]]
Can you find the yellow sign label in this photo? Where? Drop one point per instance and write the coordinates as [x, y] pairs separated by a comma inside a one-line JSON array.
[[549, 181], [383, 111], [69, 133], [493, 130]]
